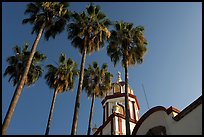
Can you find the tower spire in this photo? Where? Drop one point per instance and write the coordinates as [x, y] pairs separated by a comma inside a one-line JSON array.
[[114, 110], [119, 77]]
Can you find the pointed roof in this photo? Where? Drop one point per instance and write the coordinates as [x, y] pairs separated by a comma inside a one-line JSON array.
[[119, 78]]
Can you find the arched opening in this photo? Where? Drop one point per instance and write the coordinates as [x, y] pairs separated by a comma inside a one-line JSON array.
[[158, 130], [117, 89], [121, 109]]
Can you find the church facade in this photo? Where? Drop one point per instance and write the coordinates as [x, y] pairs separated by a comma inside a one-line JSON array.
[[156, 121]]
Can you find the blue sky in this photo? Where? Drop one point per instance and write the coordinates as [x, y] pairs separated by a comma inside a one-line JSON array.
[[171, 72]]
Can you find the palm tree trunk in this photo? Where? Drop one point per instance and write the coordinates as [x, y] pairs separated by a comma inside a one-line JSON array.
[[20, 84], [51, 111], [127, 114], [91, 115], [78, 96]]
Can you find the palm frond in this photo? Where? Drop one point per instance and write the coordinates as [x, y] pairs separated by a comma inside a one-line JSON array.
[[18, 63], [127, 43], [89, 29], [53, 14], [96, 80], [63, 76], [32, 9]]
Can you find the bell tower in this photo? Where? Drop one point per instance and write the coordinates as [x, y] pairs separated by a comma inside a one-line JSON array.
[[114, 110]]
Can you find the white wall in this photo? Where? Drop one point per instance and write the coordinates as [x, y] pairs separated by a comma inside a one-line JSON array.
[[132, 125], [155, 119], [115, 125], [190, 124], [123, 127], [107, 129]]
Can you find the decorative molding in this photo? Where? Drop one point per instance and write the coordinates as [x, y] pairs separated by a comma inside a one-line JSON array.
[[116, 95], [100, 129], [146, 115], [188, 109]]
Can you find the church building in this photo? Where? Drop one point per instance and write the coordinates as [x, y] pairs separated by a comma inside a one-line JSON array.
[[156, 121]]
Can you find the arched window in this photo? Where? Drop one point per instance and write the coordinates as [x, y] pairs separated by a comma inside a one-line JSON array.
[[158, 130], [121, 109], [117, 89]]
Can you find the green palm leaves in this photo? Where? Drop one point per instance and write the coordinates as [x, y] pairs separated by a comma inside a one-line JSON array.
[[127, 43], [62, 78], [17, 65], [89, 29], [52, 14], [97, 81]]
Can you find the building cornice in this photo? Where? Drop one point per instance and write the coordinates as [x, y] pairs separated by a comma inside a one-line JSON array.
[[116, 95]]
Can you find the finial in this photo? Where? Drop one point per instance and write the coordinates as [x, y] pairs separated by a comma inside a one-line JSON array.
[[95, 125], [119, 78], [94, 129]]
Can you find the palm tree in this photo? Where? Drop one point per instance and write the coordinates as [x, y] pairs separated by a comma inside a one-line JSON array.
[[17, 64], [88, 31], [129, 45], [50, 17], [97, 82], [60, 78]]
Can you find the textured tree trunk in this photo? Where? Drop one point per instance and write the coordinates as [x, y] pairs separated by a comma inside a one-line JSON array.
[[20, 85], [127, 114], [91, 115], [51, 112], [78, 96]]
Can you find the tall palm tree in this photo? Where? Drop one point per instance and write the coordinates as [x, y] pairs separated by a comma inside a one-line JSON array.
[[97, 82], [60, 78], [17, 63], [88, 31], [50, 17], [128, 45]]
